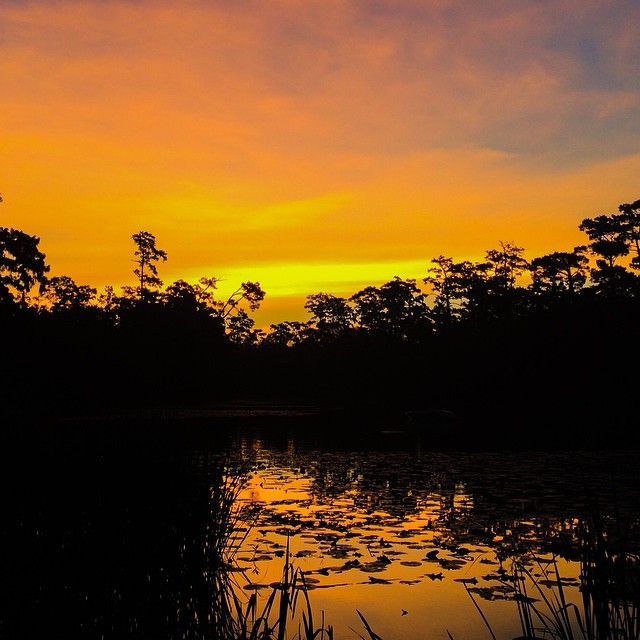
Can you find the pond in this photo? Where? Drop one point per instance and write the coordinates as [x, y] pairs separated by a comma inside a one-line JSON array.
[[408, 537], [114, 534]]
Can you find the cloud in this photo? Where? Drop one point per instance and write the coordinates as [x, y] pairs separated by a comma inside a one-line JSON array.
[[316, 131], [370, 77]]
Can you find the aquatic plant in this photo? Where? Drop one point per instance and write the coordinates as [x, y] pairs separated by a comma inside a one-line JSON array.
[[230, 616], [609, 597]]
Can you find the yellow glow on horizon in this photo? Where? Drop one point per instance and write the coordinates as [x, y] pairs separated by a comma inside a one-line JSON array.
[[301, 279]]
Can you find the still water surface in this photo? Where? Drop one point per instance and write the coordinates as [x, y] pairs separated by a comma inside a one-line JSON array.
[[110, 530], [402, 534]]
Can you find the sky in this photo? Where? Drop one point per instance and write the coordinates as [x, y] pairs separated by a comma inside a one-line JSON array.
[[313, 145]]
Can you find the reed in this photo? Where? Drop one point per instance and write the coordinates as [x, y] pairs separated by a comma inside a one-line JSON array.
[[609, 603], [288, 603], [230, 615]]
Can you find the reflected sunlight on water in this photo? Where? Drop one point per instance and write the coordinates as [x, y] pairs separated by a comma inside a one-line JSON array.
[[129, 538], [409, 538]]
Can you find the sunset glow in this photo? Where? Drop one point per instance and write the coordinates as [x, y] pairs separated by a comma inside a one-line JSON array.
[[313, 145]]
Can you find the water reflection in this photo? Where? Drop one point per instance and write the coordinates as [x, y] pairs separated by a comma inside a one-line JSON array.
[[148, 541], [443, 525]]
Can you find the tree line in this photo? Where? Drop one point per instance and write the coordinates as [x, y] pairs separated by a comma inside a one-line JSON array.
[[606, 267], [502, 335]]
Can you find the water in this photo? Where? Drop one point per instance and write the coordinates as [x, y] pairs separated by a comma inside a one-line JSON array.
[[107, 534], [397, 534]]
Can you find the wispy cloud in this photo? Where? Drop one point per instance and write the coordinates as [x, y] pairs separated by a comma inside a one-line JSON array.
[[315, 131]]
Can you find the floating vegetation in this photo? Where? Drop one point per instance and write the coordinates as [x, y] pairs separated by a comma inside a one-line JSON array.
[[389, 527]]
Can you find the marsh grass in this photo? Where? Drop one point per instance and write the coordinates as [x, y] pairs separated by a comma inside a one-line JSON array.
[[609, 587], [608, 611], [610, 582], [286, 613]]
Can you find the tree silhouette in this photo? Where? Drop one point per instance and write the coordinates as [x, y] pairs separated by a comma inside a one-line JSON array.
[[611, 238], [240, 328], [199, 297], [474, 289], [65, 295], [108, 302], [397, 309], [250, 292], [608, 241], [448, 281], [147, 254], [630, 221], [331, 315], [181, 295], [506, 264], [560, 273], [204, 291], [287, 334], [490, 287], [236, 320], [22, 265]]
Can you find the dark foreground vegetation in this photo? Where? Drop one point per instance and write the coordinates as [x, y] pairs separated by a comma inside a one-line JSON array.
[[518, 347]]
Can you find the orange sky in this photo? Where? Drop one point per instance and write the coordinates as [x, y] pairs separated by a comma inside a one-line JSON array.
[[313, 145]]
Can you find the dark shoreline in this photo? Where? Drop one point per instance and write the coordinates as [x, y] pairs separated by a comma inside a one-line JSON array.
[[372, 426]]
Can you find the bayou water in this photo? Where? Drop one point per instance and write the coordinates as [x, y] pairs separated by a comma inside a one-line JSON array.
[[107, 522]]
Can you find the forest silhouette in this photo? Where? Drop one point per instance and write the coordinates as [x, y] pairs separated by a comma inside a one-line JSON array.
[[543, 348]]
